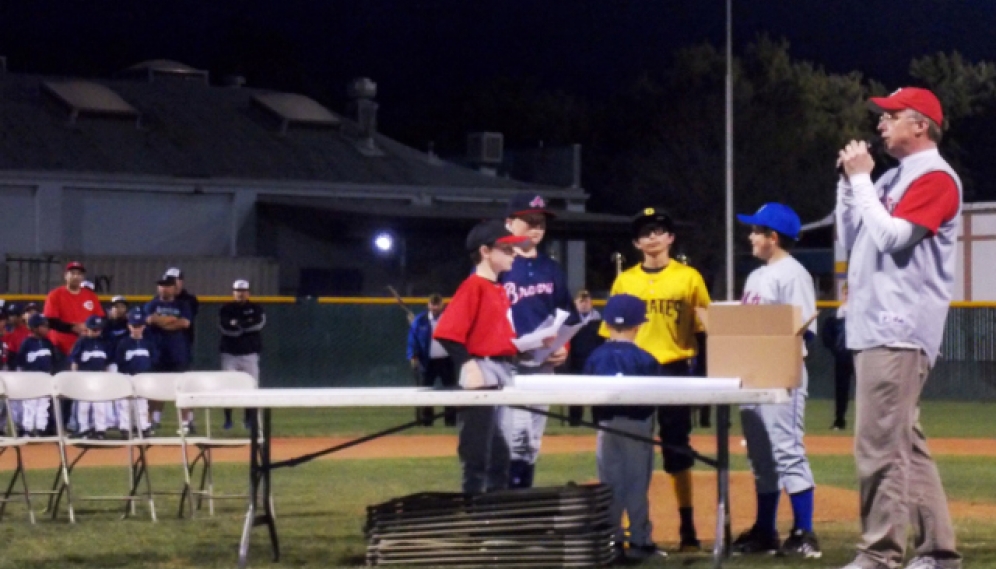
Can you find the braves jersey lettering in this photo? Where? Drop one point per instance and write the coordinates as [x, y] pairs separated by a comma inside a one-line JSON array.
[[32, 356], [536, 288]]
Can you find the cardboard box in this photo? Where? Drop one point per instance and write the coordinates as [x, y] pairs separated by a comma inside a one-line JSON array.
[[760, 344]]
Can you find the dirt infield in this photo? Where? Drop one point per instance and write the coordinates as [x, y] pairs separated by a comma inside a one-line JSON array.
[[832, 504]]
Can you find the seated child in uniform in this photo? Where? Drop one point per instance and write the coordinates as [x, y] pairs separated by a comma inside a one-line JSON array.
[[624, 464]]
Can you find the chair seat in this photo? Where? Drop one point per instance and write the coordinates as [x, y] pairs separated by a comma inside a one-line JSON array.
[[91, 443], [40, 440], [6, 442]]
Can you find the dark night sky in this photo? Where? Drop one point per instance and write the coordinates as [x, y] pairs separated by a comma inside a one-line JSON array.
[[421, 50]]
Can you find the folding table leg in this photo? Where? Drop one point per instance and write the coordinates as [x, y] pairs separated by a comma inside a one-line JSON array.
[[721, 548], [259, 487]]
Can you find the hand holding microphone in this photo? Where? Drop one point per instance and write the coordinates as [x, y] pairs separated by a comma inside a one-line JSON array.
[[855, 158]]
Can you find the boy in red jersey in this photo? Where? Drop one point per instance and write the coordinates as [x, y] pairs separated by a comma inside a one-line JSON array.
[[477, 332]]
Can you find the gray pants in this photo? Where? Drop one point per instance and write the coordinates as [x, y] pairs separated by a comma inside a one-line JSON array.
[[481, 447], [524, 430], [248, 363], [626, 466], [898, 479], [774, 443]]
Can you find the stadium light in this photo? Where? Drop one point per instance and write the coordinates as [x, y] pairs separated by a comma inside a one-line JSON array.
[[383, 242]]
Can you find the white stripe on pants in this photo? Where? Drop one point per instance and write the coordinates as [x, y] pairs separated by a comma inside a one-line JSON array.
[[626, 466], [34, 414], [101, 409]]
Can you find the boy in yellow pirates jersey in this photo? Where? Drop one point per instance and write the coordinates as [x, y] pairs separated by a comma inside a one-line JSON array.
[[672, 291]]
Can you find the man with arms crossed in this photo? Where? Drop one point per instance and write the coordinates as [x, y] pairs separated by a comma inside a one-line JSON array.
[[901, 232]]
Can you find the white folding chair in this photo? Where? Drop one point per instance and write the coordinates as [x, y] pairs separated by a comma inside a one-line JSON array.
[[96, 387], [200, 381], [162, 387], [25, 386], [16, 443]]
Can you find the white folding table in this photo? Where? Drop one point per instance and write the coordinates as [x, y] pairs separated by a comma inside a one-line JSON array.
[[528, 391]]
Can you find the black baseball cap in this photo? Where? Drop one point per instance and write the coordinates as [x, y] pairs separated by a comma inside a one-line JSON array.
[[491, 233], [166, 280], [119, 300], [13, 309], [31, 306], [94, 322], [37, 320], [651, 216], [527, 202]]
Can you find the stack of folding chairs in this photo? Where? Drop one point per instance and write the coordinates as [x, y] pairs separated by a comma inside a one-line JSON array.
[[541, 527]]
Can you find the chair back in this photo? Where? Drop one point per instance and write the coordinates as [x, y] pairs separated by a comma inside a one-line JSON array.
[[93, 385], [198, 381], [156, 386], [21, 385]]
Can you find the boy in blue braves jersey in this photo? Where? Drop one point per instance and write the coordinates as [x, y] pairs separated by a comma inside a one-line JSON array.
[[624, 464], [167, 318], [89, 353], [135, 354], [536, 288], [36, 354]]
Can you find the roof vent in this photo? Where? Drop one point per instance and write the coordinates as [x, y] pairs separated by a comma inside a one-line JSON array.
[[362, 91], [167, 68], [485, 148], [85, 98], [292, 109]]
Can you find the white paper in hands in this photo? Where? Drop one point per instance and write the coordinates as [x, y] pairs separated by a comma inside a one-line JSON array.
[[549, 337]]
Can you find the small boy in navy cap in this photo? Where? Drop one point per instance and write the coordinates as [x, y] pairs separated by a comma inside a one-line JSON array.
[[626, 465], [36, 353], [89, 353], [135, 354]]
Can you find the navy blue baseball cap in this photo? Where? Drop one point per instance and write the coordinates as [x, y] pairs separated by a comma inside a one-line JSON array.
[[624, 311], [779, 217], [14, 309], [94, 322], [525, 203], [37, 320], [136, 317], [491, 233]]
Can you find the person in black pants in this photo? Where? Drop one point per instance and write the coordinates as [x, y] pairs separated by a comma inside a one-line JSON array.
[[835, 340], [430, 360]]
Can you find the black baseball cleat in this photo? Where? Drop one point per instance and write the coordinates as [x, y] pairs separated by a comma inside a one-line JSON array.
[[801, 543], [755, 541], [838, 425]]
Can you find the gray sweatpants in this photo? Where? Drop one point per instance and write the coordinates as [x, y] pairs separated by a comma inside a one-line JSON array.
[[898, 479], [626, 466], [524, 430], [775, 448], [248, 363], [481, 447]]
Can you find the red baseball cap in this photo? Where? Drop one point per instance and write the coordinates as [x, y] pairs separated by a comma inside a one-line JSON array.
[[920, 100], [75, 266]]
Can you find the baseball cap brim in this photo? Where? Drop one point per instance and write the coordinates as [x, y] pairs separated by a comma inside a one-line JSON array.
[[921, 100]]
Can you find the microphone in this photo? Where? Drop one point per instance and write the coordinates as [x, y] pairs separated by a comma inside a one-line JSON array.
[[874, 147]]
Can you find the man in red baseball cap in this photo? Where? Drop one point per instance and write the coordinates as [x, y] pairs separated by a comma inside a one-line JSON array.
[[902, 232], [68, 307]]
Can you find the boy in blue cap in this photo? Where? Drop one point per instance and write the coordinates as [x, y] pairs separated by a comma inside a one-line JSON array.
[[89, 353], [774, 431], [626, 465], [135, 354]]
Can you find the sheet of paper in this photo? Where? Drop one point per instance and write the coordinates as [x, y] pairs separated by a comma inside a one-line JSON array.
[[548, 329], [564, 335]]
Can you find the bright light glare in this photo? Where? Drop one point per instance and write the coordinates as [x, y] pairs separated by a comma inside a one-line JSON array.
[[384, 242]]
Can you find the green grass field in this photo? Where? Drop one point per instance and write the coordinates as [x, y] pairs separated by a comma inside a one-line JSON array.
[[321, 505]]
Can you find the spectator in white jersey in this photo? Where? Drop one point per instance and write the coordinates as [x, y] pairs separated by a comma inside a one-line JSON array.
[[901, 231]]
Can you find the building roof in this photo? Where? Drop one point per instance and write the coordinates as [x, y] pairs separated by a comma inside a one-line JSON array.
[[188, 129]]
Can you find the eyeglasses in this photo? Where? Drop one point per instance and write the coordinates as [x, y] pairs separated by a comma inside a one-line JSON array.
[[894, 117], [651, 231]]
